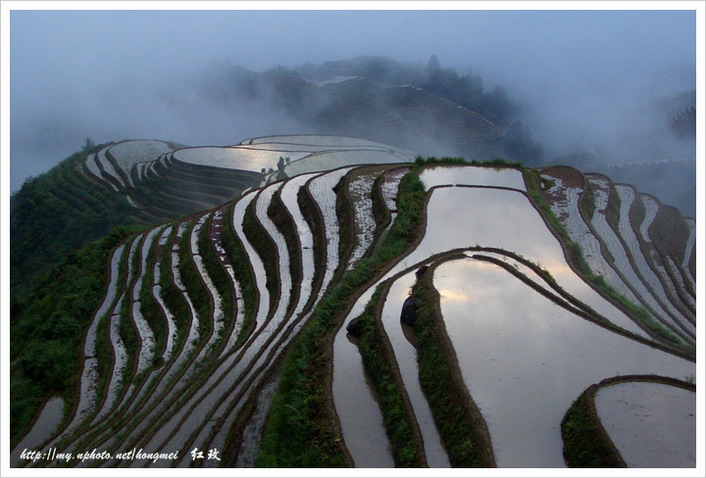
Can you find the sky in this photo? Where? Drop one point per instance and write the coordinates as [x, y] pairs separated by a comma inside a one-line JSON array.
[[584, 79]]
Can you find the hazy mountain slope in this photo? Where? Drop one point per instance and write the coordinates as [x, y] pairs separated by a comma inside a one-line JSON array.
[[425, 109]]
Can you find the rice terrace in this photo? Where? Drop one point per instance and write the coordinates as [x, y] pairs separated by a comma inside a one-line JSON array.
[[247, 240], [322, 300]]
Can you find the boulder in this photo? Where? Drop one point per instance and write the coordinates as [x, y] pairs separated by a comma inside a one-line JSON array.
[[409, 311], [353, 327]]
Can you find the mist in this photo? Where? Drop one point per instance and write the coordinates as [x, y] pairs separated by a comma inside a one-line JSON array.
[[582, 81]]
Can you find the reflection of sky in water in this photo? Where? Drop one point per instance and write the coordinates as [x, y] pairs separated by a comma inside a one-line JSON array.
[[485, 217], [651, 424], [233, 158], [359, 413], [472, 176], [506, 220], [406, 358], [455, 296], [525, 359]]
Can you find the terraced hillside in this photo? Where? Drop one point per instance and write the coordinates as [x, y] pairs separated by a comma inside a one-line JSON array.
[[148, 181], [266, 330]]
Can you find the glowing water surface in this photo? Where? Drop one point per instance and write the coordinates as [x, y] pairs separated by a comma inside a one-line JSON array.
[[473, 176], [525, 359], [337, 159], [653, 425], [358, 412], [478, 216], [317, 140], [233, 157], [506, 220]]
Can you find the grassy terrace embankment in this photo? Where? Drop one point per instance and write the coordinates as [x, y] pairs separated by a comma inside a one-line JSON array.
[[312, 216], [220, 279], [150, 308], [104, 352], [127, 330], [152, 312], [380, 212], [586, 442], [243, 274], [461, 426], [670, 320], [266, 249], [346, 226], [47, 331], [195, 287], [301, 427], [673, 291], [282, 219], [172, 296]]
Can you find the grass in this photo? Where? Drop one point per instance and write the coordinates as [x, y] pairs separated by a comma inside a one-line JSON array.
[[197, 291], [497, 162], [219, 277], [344, 214], [127, 329], [265, 248], [586, 444], [172, 296], [612, 212], [420, 162], [281, 218], [243, 274], [150, 309], [587, 203], [310, 212], [58, 213], [380, 212]]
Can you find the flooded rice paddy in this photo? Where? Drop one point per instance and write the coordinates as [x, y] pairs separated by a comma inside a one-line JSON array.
[[406, 358], [653, 425], [473, 176], [525, 359], [357, 409], [46, 424]]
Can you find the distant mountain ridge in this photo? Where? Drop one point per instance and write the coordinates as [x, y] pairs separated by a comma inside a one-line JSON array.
[[425, 109]]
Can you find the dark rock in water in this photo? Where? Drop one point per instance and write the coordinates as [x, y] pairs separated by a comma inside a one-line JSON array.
[[353, 327], [410, 335], [409, 311]]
